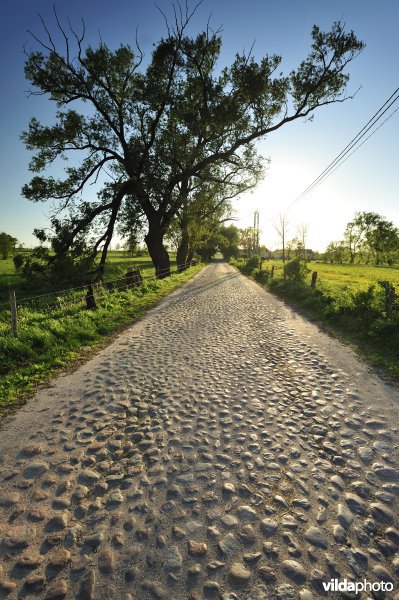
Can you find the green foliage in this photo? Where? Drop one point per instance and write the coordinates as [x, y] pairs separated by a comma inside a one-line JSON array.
[[7, 245], [296, 269], [18, 260], [247, 265], [372, 238], [160, 125], [261, 276], [228, 243]]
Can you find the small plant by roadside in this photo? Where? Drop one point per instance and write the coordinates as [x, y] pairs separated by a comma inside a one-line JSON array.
[[296, 270]]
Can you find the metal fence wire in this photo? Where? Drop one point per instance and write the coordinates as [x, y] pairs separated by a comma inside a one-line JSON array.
[[18, 311]]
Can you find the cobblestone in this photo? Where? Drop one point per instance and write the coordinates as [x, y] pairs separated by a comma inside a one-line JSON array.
[[220, 448]]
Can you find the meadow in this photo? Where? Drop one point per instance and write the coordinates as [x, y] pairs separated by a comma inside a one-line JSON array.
[[56, 330]]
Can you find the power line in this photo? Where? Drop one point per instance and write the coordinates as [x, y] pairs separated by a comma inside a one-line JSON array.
[[364, 141], [350, 147]]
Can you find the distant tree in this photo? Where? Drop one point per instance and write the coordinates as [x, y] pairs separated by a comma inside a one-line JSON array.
[[302, 234], [131, 244], [373, 236], [229, 240], [353, 237], [336, 252], [151, 125], [246, 240], [7, 245], [383, 241], [296, 247], [282, 229]]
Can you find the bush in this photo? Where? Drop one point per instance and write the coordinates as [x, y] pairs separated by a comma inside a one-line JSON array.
[[261, 276], [296, 270], [252, 263], [18, 260]]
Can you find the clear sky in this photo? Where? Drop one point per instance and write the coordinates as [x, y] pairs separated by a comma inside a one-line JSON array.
[[299, 152]]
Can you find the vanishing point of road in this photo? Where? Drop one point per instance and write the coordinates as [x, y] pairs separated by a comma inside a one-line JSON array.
[[222, 447]]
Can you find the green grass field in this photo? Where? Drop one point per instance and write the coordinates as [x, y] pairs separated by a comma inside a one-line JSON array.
[[335, 276]]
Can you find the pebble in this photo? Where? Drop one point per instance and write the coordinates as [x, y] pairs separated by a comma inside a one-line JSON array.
[[173, 559], [316, 537], [94, 540], [106, 561], [345, 517], [239, 573], [381, 512], [58, 522], [35, 470], [18, 537], [60, 558], [57, 590], [229, 521], [88, 477], [246, 513], [155, 588], [228, 544], [355, 504], [294, 570], [268, 527], [8, 499], [196, 548], [35, 583]]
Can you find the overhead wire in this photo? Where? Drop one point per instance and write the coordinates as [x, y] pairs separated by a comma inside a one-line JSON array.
[[353, 145]]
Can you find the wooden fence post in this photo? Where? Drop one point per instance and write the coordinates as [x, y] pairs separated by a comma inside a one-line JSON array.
[[14, 314], [90, 300], [314, 279], [272, 272]]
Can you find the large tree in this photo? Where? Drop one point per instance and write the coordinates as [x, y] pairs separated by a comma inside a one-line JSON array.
[[147, 131]]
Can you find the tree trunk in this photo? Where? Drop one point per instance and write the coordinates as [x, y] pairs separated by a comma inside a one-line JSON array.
[[182, 252], [158, 252]]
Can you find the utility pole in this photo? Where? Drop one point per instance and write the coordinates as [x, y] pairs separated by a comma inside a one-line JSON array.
[[256, 232]]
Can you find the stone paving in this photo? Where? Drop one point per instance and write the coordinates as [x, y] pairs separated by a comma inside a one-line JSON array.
[[212, 451]]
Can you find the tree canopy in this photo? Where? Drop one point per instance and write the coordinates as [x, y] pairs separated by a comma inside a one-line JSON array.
[[368, 237], [148, 133], [7, 244]]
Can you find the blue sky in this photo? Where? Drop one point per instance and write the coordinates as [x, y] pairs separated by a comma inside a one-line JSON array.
[[369, 180]]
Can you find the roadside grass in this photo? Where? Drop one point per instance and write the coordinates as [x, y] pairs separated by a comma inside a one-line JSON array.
[[349, 303], [49, 341]]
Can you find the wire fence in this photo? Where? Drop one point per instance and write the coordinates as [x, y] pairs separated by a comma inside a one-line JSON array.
[[19, 312]]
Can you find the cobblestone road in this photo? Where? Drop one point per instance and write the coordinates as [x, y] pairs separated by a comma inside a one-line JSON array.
[[220, 448]]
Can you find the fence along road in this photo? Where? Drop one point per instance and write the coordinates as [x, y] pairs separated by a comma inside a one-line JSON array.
[[222, 447]]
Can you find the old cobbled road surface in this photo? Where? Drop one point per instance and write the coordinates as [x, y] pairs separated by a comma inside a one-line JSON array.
[[222, 447]]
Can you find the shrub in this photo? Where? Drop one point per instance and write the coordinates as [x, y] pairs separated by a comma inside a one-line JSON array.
[[18, 260], [261, 276], [296, 270]]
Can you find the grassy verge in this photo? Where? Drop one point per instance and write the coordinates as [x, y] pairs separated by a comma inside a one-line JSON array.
[[354, 314], [52, 341]]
